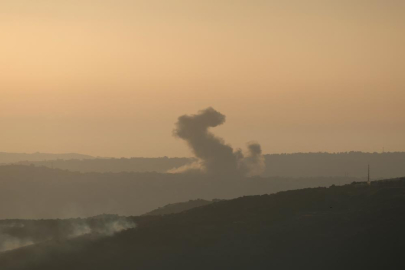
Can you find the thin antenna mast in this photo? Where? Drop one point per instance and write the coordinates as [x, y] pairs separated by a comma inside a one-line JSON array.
[[368, 174]]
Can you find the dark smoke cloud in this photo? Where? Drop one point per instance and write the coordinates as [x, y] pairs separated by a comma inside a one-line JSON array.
[[215, 157]]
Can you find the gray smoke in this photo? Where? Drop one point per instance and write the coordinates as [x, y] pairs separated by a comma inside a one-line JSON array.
[[215, 157], [106, 228], [98, 226], [8, 242]]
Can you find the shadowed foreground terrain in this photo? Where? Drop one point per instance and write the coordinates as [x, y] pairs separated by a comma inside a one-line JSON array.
[[355, 226]]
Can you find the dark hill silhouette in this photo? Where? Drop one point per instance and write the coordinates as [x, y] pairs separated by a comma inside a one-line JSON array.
[[353, 164], [31, 192], [356, 226]]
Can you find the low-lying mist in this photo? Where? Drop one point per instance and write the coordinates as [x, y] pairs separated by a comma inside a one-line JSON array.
[[19, 233]]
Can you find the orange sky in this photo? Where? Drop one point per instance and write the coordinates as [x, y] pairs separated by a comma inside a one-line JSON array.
[[110, 78]]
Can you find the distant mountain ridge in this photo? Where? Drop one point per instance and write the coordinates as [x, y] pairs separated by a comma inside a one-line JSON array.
[[35, 157], [350, 164], [115, 165]]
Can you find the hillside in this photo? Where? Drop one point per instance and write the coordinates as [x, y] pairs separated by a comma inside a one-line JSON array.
[[174, 208], [31, 192], [350, 227], [352, 164]]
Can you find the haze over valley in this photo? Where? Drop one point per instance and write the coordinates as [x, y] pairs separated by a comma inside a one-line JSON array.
[[191, 134]]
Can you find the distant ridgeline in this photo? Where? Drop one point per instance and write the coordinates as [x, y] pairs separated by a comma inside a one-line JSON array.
[[350, 164], [39, 192], [174, 208], [160, 164], [17, 157]]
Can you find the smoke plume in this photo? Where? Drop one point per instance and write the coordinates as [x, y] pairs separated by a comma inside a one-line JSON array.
[[14, 235], [215, 157], [8, 242]]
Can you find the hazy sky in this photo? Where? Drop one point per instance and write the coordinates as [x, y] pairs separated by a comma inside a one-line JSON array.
[[110, 77]]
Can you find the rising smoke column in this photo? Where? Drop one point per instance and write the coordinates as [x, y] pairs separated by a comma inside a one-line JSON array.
[[253, 163], [215, 157]]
